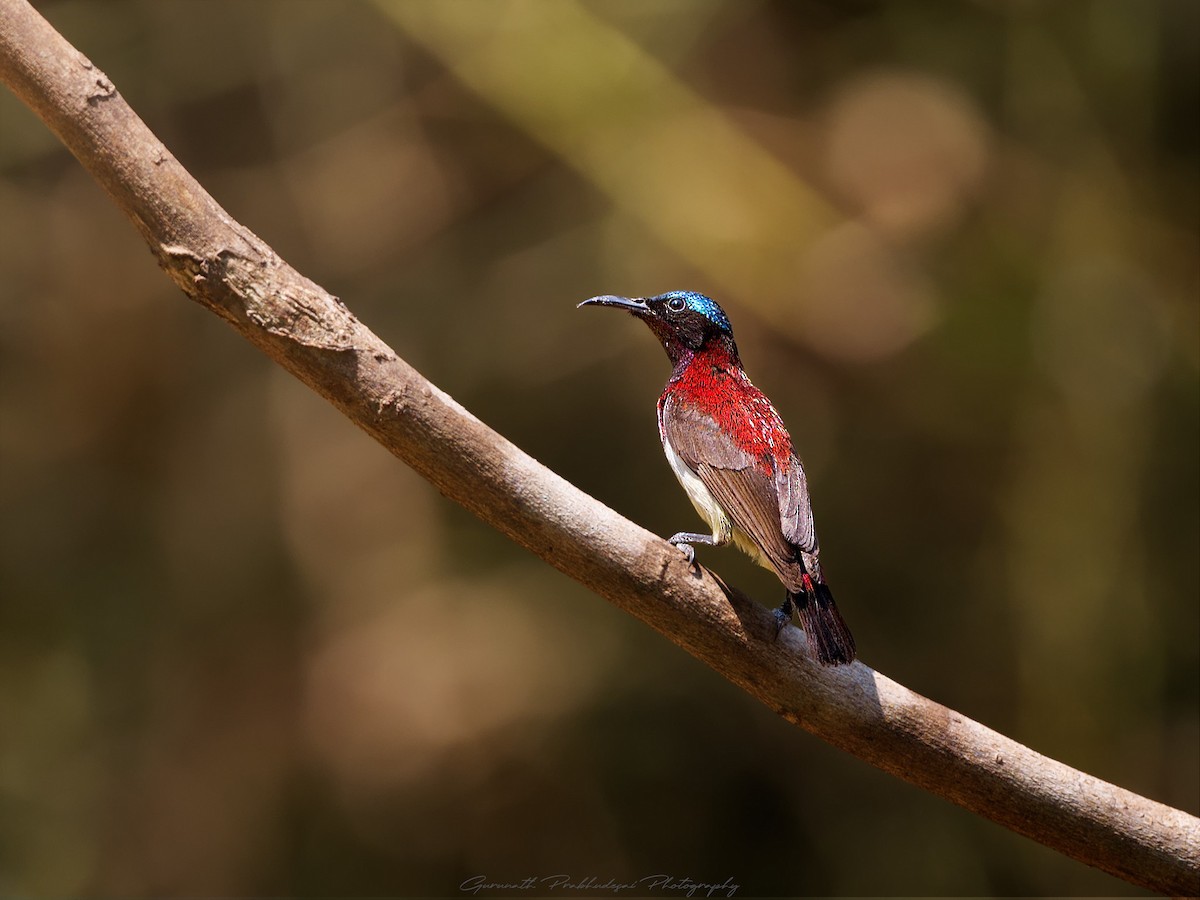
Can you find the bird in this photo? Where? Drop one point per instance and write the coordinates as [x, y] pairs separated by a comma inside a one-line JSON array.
[[729, 448]]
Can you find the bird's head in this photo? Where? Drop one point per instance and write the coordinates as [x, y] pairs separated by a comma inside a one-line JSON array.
[[684, 321]]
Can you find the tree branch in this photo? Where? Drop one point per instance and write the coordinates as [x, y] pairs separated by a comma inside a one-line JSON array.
[[226, 268]]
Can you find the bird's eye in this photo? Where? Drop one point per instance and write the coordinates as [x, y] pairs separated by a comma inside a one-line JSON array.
[[676, 304]]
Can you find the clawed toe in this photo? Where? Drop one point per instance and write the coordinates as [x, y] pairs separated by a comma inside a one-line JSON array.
[[783, 616], [689, 553], [684, 540], [781, 619]]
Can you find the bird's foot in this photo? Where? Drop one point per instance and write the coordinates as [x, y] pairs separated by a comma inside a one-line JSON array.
[[783, 616], [684, 540]]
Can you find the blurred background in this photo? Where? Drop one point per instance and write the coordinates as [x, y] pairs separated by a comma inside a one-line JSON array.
[[244, 651]]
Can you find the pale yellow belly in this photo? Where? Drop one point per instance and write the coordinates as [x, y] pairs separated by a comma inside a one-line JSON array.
[[723, 529]]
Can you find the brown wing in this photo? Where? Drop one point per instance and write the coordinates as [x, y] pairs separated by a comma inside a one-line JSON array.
[[795, 509], [738, 484]]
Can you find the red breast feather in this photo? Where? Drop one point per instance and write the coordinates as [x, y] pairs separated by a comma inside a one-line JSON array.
[[715, 385]]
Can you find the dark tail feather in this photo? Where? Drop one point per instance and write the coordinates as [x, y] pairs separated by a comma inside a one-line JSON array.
[[827, 633]]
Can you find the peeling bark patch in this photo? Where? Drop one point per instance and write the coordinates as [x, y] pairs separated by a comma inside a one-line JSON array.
[[282, 302], [186, 267], [103, 89], [393, 399]]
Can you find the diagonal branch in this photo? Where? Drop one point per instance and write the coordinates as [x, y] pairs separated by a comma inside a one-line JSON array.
[[224, 267]]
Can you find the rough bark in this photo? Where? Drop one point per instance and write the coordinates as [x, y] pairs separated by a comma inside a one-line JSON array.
[[227, 269]]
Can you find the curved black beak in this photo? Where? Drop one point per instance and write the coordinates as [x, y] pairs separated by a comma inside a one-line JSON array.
[[635, 305]]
